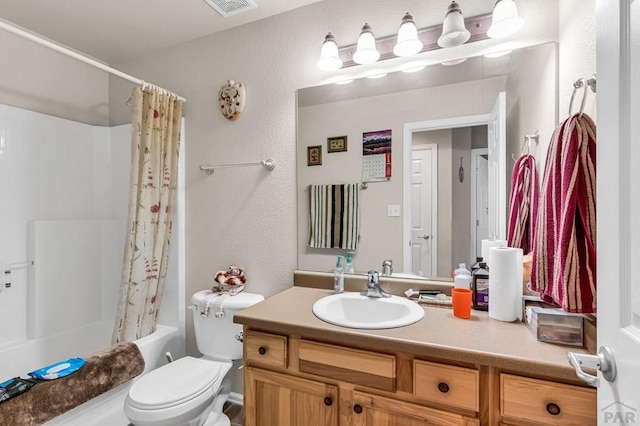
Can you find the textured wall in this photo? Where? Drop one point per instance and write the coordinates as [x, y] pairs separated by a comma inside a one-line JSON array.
[[248, 215]]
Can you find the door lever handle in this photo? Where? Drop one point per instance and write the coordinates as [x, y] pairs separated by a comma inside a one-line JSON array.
[[603, 361], [425, 237]]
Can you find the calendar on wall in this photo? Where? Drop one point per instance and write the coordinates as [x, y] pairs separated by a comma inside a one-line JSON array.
[[376, 156]]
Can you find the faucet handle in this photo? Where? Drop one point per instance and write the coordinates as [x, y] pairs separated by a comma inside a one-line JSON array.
[[373, 277]]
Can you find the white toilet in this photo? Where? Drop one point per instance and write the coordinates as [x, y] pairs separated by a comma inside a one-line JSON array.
[[192, 391]]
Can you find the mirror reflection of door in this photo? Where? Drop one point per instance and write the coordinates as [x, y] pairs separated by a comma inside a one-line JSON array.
[[424, 181], [479, 200], [469, 148]]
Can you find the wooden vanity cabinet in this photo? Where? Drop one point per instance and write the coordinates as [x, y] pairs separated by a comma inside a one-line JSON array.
[[291, 381], [527, 401], [375, 410], [274, 399]]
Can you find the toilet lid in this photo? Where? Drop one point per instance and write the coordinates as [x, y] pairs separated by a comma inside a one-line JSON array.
[[175, 383]]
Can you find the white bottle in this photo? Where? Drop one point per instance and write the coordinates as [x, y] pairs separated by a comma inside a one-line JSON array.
[[338, 278], [462, 280], [462, 269]]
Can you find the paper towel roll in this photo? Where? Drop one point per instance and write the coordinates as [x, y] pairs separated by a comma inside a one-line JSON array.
[[505, 283], [486, 245]]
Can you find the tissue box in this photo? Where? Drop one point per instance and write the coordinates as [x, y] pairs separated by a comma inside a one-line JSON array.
[[553, 325]]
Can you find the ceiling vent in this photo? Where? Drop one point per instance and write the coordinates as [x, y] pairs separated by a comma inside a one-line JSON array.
[[231, 7]]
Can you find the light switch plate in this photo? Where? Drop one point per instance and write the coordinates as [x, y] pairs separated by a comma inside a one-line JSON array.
[[393, 210]]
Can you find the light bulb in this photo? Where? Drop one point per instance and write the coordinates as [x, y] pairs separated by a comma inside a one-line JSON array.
[[505, 20], [329, 58], [366, 52], [454, 33], [408, 43]]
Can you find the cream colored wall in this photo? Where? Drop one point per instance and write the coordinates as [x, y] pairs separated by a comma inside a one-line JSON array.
[[577, 41], [523, 96], [38, 79], [461, 197], [248, 215]]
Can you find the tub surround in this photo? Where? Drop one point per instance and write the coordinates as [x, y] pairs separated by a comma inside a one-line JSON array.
[[495, 358]]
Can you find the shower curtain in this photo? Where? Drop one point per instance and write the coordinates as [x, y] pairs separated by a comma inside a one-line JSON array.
[[155, 143]]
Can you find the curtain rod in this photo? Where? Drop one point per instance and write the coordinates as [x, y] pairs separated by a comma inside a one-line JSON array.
[[36, 38]]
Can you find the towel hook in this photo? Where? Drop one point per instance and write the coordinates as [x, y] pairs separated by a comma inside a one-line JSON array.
[[527, 143], [581, 83]]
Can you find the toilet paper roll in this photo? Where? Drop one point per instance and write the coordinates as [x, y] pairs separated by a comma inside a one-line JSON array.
[[505, 283], [486, 245]]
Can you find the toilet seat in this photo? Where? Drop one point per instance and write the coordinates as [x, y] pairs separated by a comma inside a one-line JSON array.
[[177, 383]]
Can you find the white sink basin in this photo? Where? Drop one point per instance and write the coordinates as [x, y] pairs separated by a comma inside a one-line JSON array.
[[356, 311]]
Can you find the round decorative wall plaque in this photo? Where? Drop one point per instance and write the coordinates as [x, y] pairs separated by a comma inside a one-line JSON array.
[[231, 98]]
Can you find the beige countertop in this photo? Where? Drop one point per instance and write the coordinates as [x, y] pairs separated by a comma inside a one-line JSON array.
[[478, 340]]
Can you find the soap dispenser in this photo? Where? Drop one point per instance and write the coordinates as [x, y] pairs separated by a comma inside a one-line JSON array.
[[338, 278], [348, 267]]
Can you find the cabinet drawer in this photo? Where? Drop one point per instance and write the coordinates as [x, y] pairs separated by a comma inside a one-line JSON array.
[[355, 366], [446, 384], [546, 403], [265, 349]]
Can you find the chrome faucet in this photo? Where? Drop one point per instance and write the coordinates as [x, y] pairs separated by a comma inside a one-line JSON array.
[[373, 286], [387, 268]]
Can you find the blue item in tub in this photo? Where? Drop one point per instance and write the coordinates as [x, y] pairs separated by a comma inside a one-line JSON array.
[[58, 370]]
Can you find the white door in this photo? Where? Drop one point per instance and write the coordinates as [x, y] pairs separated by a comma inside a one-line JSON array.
[[496, 143], [618, 183], [423, 216], [479, 201]]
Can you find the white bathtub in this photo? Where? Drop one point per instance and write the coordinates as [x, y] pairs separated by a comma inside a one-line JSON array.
[[106, 409]]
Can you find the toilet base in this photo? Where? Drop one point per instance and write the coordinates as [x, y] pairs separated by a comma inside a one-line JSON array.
[[217, 419]]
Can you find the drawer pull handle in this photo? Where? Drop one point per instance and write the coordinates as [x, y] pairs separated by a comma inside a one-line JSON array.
[[443, 387], [357, 408], [328, 401], [262, 350], [553, 409]]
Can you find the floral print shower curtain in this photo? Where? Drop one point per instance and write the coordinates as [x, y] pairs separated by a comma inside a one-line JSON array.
[[155, 143]]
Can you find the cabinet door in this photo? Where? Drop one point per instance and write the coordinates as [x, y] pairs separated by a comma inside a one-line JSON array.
[[273, 399], [373, 410]]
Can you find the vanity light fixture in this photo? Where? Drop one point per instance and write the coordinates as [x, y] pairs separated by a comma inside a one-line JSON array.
[[506, 20], [366, 52], [454, 33], [407, 43], [329, 58]]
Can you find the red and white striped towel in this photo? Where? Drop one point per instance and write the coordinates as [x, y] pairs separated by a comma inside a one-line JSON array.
[[564, 247], [523, 204]]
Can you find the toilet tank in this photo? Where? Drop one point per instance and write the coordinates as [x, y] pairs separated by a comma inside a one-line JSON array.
[[213, 323]]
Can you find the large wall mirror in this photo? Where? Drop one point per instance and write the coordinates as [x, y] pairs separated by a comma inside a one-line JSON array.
[[455, 131]]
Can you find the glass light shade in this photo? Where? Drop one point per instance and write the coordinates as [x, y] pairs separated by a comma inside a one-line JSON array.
[[366, 52], [505, 20], [454, 33], [407, 43], [329, 58]]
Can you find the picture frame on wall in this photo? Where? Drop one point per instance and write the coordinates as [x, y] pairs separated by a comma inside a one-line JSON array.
[[314, 155], [337, 144]]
